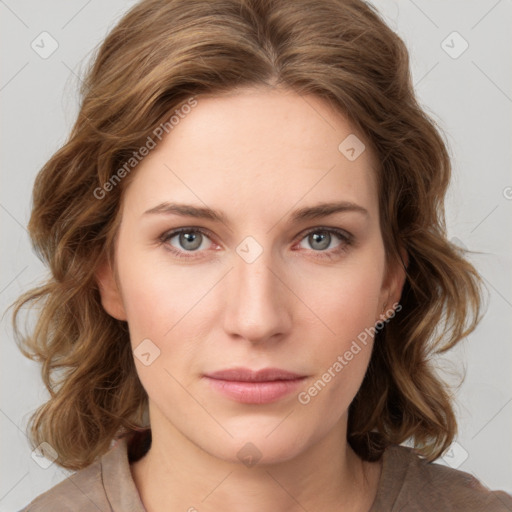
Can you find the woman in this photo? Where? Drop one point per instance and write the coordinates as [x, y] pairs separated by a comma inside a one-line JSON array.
[[250, 271]]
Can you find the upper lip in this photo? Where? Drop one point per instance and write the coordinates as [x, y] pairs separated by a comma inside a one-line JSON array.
[[248, 375]]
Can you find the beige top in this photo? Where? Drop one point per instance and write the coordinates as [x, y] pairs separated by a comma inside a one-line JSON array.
[[407, 484]]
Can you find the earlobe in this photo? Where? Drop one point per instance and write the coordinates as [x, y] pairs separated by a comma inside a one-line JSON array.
[[111, 299]]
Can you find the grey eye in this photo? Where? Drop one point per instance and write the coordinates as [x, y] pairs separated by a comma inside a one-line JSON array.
[[320, 240], [187, 240]]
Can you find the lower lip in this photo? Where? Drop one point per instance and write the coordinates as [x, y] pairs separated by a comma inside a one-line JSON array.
[[255, 392]]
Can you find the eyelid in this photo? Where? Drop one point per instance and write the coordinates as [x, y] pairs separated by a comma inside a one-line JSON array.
[[185, 229], [337, 231], [176, 231]]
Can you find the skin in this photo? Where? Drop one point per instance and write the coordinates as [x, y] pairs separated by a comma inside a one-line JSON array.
[[256, 155]]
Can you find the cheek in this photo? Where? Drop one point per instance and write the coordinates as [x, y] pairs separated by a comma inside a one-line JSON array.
[[346, 304], [343, 353], [157, 297], [346, 301], [159, 307], [172, 308]]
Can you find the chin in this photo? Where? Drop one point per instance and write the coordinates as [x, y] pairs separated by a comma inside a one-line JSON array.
[[262, 441]]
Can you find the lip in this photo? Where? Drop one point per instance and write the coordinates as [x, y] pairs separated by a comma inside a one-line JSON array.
[[254, 387]]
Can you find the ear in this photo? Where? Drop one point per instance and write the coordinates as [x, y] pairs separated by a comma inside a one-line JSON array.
[[111, 299], [393, 282]]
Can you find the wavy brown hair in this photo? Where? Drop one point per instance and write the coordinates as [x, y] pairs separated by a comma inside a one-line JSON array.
[[161, 54]]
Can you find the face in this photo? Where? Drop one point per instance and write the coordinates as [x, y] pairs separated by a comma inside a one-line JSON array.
[[249, 240]]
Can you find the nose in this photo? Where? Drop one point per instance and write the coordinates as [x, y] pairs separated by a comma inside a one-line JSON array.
[[258, 304]]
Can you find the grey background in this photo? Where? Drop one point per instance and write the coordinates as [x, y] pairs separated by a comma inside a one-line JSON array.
[[469, 96]]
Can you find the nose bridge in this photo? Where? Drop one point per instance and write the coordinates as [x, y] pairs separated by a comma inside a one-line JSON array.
[[256, 281], [257, 308]]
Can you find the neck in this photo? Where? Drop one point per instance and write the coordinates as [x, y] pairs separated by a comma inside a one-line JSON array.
[[176, 474]]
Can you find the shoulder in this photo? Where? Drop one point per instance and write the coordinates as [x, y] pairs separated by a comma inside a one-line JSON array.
[[105, 485], [409, 482], [81, 491]]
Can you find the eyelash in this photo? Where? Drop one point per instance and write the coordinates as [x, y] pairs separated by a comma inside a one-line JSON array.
[[346, 241]]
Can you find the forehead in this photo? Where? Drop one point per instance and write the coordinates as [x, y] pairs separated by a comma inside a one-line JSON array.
[[257, 150]]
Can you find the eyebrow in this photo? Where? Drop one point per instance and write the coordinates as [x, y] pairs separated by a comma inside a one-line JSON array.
[[306, 213]]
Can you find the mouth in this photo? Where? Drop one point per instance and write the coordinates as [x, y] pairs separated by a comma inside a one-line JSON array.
[[254, 387]]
